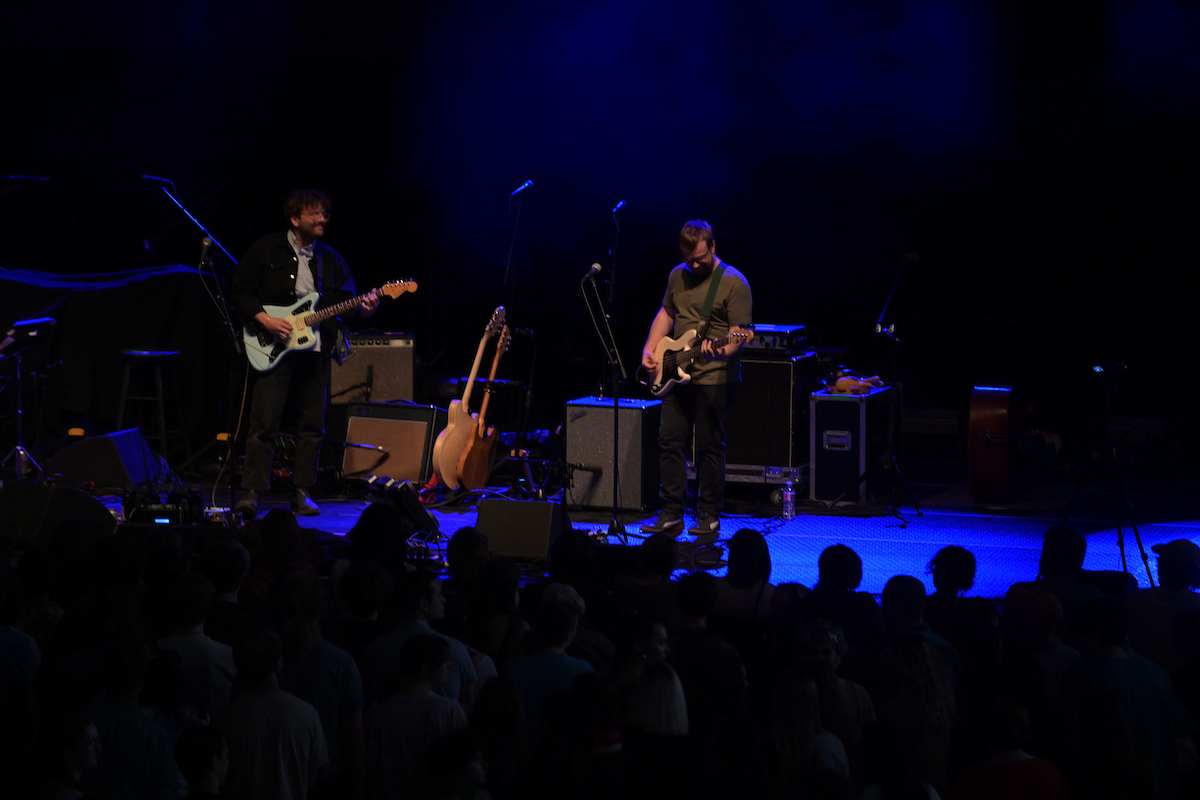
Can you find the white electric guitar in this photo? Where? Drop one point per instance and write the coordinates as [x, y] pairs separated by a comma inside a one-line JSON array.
[[264, 350], [675, 357]]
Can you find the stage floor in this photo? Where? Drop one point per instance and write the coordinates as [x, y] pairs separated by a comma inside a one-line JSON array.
[[1006, 540]]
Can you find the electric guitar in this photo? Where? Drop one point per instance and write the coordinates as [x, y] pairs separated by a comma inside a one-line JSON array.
[[460, 423], [476, 460], [676, 356], [264, 349]]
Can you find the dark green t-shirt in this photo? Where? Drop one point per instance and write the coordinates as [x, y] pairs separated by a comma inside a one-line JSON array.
[[732, 306]]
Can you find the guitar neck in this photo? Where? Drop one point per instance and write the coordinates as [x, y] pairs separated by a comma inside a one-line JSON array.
[[724, 340], [317, 317], [466, 398]]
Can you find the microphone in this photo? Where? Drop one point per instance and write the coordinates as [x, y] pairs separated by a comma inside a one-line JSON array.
[[910, 258], [205, 246], [521, 188], [619, 206], [593, 272]]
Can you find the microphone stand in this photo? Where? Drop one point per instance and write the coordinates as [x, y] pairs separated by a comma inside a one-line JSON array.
[[616, 526], [512, 239]]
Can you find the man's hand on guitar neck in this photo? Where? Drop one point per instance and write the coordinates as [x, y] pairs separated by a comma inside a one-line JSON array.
[[370, 303], [277, 326]]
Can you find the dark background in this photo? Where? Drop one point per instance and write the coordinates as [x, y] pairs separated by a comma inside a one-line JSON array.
[[1040, 158]]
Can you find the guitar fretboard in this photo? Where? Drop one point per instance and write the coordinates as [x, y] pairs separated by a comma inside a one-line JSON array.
[[673, 359], [325, 313]]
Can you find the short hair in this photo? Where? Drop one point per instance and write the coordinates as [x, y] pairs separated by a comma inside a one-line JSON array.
[[365, 587], [257, 655], [839, 567], [190, 599], [378, 535], [1063, 550], [693, 232], [697, 593], [554, 622], [226, 563], [749, 559], [953, 568], [195, 750], [656, 702], [658, 554], [302, 199], [468, 552], [904, 594], [416, 587], [422, 653]]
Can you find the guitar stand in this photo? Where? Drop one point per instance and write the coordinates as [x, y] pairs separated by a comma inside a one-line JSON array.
[[23, 462]]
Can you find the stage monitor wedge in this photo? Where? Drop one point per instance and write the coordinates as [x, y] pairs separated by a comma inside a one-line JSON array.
[[117, 460]]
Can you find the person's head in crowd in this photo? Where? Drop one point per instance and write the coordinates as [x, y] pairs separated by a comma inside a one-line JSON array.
[[279, 541], [226, 563], [455, 757], [1032, 617], [825, 642], [301, 602], [554, 625], [123, 670], [839, 567], [648, 638], [1098, 628], [903, 603], [657, 556], [424, 662], [973, 626], [116, 618], [1007, 726], [1063, 551], [118, 561], [379, 535], [1178, 565], [258, 658], [565, 594], [749, 559], [365, 587], [795, 721], [65, 748], [202, 755], [912, 668], [573, 557], [420, 596], [72, 545], [38, 572], [787, 600], [953, 570], [468, 554], [165, 557], [656, 702], [697, 596]]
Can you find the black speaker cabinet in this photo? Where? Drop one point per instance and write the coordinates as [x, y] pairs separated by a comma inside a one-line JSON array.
[[380, 369], [589, 433], [520, 528], [407, 431], [766, 437], [114, 461], [849, 433]]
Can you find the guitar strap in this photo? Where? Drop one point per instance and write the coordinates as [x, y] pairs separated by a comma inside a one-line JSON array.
[[706, 310]]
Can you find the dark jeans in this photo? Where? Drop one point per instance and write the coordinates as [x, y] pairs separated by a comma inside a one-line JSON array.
[[705, 409], [300, 380]]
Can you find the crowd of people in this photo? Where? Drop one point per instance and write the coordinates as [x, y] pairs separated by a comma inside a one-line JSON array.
[[255, 664]]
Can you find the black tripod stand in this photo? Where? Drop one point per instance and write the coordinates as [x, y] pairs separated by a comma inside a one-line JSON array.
[[19, 338], [1111, 373]]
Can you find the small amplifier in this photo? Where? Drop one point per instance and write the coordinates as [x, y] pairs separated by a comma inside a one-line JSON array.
[[379, 369], [787, 339]]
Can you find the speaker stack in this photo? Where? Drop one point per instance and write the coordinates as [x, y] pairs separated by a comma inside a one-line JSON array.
[[589, 433]]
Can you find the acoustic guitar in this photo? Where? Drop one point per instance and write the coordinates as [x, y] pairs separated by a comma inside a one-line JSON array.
[[476, 461], [264, 350], [460, 422], [675, 358]]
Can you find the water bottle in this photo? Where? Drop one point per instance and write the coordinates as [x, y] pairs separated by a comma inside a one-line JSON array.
[[789, 501]]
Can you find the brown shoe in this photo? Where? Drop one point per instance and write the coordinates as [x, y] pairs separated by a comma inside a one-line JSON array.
[[303, 505]]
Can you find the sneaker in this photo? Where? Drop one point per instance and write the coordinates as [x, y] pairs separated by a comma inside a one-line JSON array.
[[668, 522], [303, 505], [707, 527], [247, 507]]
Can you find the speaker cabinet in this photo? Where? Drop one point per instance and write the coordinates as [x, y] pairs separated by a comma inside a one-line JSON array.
[[407, 431], [31, 513], [589, 433], [520, 528], [114, 461], [767, 425], [849, 433], [380, 369]]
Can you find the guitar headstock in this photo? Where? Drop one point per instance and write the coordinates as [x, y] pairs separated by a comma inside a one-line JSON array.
[[502, 343], [741, 334], [394, 289], [495, 322]]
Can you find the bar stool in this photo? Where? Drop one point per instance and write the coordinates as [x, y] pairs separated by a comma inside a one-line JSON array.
[[156, 358]]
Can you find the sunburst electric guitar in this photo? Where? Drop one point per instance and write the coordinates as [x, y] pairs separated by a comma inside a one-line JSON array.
[[460, 423], [475, 463], [264, 350], [675, 358]]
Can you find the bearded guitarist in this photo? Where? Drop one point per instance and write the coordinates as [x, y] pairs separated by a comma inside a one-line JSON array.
[[708, 296], [276, 271]]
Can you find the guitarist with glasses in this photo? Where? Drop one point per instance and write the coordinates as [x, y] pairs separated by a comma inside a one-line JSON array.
[[276, 271], [709, 297]]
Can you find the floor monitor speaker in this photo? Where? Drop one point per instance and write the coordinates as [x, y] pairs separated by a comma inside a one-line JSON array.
[[114, 461], [523, 529]]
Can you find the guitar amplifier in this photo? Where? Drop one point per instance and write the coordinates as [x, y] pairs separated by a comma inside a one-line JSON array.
[[784, 339], [380, 369], [589, 434], [766, 437], [407, 432]]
